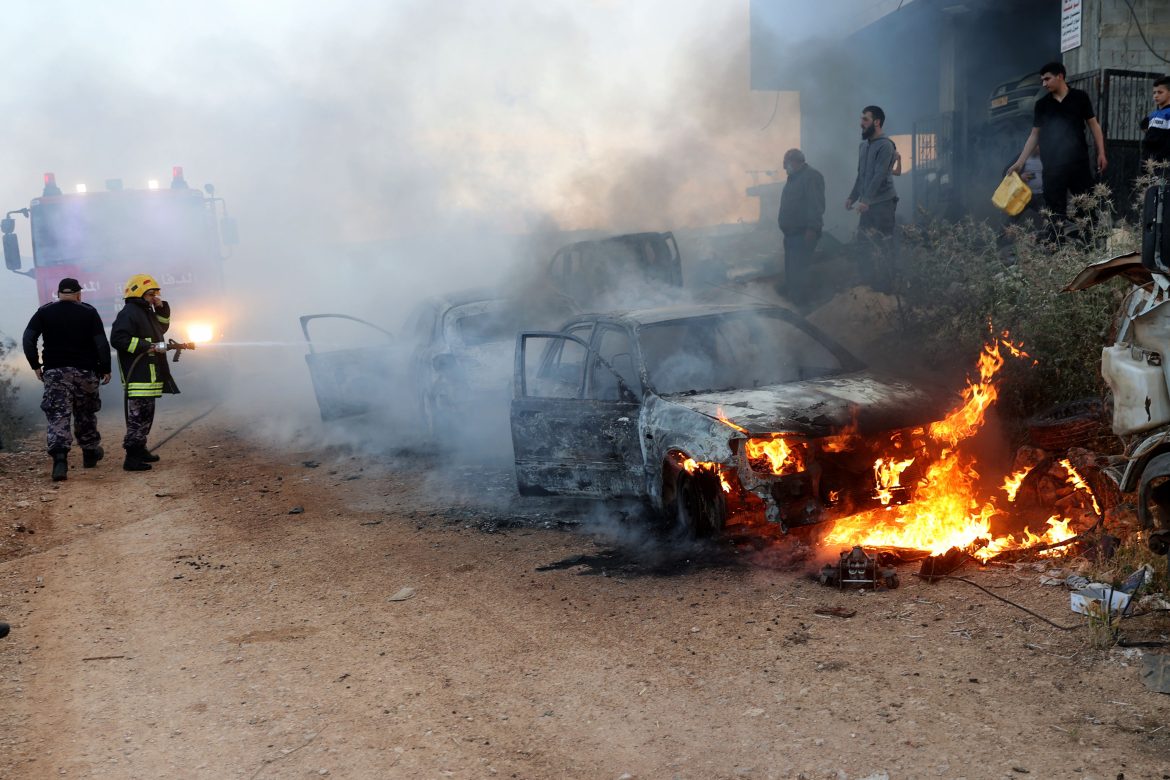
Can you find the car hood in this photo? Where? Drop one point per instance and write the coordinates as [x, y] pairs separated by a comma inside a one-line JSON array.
[[865, 400]]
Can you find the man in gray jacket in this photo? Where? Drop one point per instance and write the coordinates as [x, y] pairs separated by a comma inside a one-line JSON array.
[[873, 192], [801, 218]]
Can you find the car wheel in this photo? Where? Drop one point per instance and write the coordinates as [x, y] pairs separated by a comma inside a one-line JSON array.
[[700, 509], [1154, 502]]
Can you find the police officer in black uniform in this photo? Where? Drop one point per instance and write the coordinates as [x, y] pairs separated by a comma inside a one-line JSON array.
[[76, 358]]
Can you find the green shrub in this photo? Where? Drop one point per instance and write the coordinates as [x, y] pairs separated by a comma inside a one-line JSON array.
[[957, 278]]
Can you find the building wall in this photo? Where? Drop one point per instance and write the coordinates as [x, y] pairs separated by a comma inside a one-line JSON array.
[[1110, 37]]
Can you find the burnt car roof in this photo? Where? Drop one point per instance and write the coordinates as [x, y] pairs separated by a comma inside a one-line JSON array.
[[681, 311], [624, 238], [462, 297]]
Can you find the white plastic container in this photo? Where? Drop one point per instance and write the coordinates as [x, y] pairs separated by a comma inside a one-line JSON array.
[[1140, 400], [1096, 598]]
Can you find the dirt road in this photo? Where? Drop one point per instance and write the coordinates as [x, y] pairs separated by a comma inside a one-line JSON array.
[[232, 614]]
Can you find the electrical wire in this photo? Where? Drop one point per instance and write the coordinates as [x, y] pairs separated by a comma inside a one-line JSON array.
[[1141, 32], [775, 105], [1001, 598]]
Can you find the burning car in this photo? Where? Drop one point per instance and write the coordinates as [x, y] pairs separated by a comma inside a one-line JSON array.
[[699, 408]]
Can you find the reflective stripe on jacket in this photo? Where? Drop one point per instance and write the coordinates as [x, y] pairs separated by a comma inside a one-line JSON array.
[[135, 328]]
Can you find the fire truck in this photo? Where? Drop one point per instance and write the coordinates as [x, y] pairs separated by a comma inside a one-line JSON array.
[[178, 234]]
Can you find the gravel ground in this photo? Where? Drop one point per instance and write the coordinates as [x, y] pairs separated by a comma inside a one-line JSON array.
[[244, 612]]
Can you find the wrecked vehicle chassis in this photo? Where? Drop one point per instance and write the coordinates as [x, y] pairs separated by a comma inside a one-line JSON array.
[[617, 406]]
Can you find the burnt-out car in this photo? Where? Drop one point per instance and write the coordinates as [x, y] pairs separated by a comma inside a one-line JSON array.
[[616, 269], [697, 408], [453, 355]]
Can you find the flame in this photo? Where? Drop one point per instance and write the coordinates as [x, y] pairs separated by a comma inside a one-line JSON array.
[[782, 456], [977, 396], [719, 415], [1078, 482], [1011, 485], [946, 511], [887, 475], [690, 465]]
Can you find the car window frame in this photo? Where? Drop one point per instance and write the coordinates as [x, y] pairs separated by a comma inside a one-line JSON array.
[[849, 362]]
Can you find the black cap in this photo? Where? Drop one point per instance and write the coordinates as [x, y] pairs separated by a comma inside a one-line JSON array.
[[68, 285]]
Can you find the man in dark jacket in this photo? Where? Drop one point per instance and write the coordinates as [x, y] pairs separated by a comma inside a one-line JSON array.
[[801, 218], [138, 335], [873, 191], [76, 358], [874, 196]]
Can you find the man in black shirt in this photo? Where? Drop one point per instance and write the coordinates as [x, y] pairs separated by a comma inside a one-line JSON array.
[[1059, 128], [76, 359]]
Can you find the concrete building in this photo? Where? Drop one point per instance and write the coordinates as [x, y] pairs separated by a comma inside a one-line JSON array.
[[958, 81]]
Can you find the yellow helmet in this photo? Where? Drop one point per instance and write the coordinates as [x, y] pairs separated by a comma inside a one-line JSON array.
[[138, 284]]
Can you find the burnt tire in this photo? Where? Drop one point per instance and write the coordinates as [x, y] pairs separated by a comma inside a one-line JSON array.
[[700, 508], [1154, 494]]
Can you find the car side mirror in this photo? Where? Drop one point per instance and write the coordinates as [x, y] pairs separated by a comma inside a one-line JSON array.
[[228, 231], [11, 251]]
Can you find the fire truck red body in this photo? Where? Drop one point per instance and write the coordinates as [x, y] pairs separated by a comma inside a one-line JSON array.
[[102, 238]]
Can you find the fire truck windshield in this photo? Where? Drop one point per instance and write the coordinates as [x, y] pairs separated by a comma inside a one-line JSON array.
[[134, 226]]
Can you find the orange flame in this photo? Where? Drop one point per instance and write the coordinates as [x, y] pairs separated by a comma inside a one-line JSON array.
[[887, 475], [1011, 484], [946, 511], [719, 415], [968, 418], [690, 465], [782, 457], [1078, 482]]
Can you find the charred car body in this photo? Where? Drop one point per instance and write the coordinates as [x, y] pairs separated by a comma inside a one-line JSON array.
[[453, 354], [696, 409], [616, 269]]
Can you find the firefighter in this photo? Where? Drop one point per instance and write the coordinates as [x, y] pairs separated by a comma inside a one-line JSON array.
[[76, 359], [138, 335]]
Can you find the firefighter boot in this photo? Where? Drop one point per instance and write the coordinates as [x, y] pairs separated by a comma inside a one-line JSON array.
[[60, 465], [134, 461], [90, 457], [145, 455]]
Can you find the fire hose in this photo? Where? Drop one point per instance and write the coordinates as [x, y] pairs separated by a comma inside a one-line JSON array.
[[171, 344]]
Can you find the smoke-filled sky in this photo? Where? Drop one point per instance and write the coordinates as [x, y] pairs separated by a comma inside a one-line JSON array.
[[358, 120], [418, 126]]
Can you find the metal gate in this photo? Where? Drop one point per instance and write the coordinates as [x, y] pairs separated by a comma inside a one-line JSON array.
[[933, 172]]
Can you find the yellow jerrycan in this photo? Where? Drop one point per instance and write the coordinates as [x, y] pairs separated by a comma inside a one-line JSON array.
[[1012, 195]]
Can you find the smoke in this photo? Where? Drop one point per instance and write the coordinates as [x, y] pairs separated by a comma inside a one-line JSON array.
[[376, 155]]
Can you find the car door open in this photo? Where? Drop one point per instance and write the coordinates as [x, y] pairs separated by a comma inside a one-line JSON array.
[[567, 442], [353, 381]]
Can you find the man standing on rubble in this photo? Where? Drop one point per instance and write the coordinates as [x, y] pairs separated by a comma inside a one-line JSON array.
[[801, 218], [76, 359], [1058, 126], [138, 335], [1156, 142], [873, 194]]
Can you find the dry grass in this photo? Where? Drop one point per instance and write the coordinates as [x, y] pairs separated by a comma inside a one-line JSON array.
[[959, 277]]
